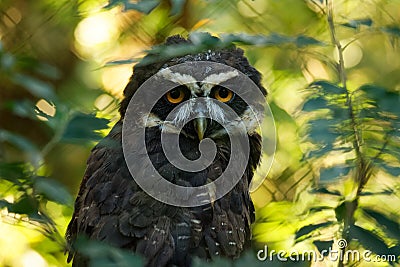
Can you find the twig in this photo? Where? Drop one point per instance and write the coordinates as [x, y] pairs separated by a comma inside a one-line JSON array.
[[363, 168]]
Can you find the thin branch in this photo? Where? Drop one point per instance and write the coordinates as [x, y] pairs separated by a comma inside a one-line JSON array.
[[337, 44], [363, 168], [343, 80], [317, 5]]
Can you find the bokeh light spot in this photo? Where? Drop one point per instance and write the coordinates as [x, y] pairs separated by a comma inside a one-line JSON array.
[[46, 108], [33, 259], [103, 101], [95, 29], [12, 17], [315, 70], [115, 78], [352, 55]]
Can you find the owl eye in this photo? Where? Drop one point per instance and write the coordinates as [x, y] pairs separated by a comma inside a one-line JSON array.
[[222, 94], [175, 96]]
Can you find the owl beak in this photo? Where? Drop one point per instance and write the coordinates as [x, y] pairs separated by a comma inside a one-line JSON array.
[[200, 124]]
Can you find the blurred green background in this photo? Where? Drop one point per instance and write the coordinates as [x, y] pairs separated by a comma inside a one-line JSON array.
[[64, 65]]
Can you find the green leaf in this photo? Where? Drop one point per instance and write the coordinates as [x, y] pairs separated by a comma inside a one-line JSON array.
[[302, 41], [340, 211], [386, 100], [203, 38], [308, 229], [319, 102], [395, 171], [323, 245], [113, 3], [83, 127], [369, 240], [391, 227], [203, 41], [121, 62], [258, 40], [320, 208], [386, 192], [13, 172], [47, 70], [386, 166], [144, 6], [322, 131], [393, 30], [333, 173], [36, 87], [270, 40], [23, 144], [52, 190], [164, 52], [24, 205], [248, 259], [324, 190], [30, 64], [102, 255], [177, 7], [26, 109], [339, 113], [370, 112], [316, 103], [327, 87], [320, 152], [7, 62], [217, 262], [17, 140], [5, 204], [356, 23]]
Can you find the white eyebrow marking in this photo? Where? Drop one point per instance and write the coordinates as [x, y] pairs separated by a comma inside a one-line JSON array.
[[176, 77], [182, 79], [215, 79]]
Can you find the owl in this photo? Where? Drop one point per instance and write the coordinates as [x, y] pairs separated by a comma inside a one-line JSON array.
[[111, 207]]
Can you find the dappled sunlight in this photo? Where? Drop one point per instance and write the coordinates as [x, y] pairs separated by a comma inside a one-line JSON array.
[[46, 108], [15, 243], [114, 79], [286, 93], [103, 101], [315, 70], [12, 17], [32, 259], [352, 55], [251, 9], [96, 34]]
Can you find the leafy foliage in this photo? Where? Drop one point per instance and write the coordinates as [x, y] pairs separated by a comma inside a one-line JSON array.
[[204, 41], [361, 124], [146, 6], [83, 127], [100, 254]]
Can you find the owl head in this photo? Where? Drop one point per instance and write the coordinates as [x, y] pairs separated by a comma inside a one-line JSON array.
[[209, 88]]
